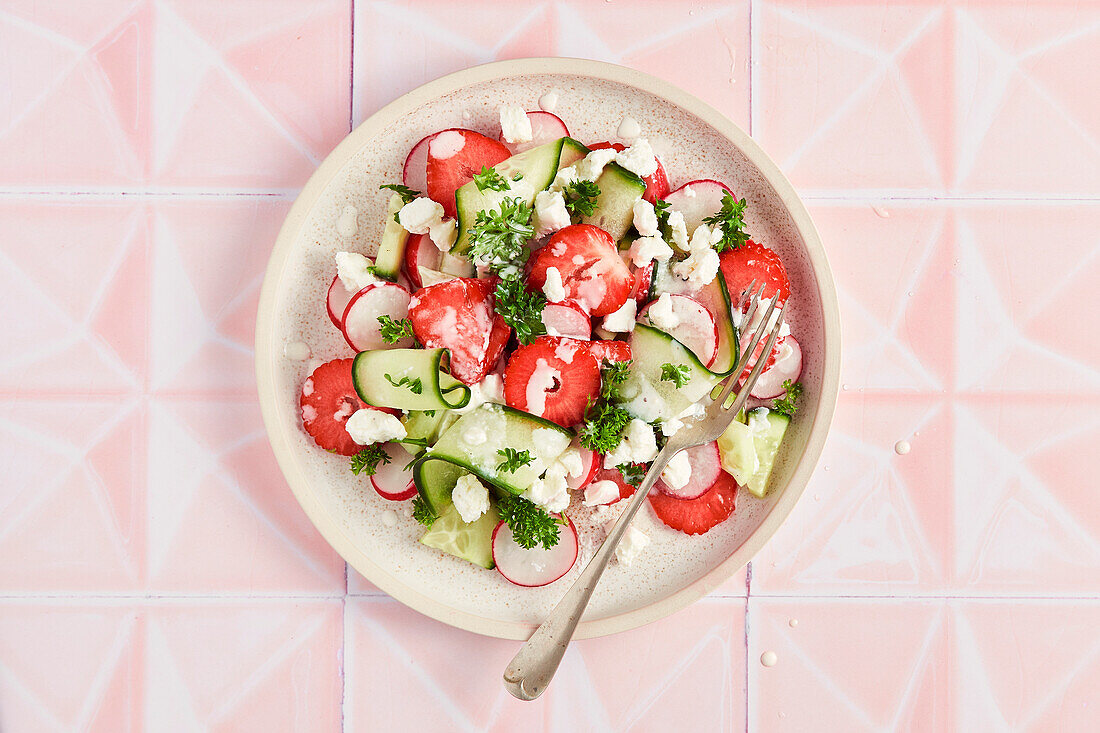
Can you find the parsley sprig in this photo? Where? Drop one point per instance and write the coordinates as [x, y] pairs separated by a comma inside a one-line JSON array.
[[423, 513], [661, 209], [499, 238], [521, 309], [633, 473], [788, 403], [580, 197], [490, 180], [604, 420], [514, 459], [407, 194], [530, 524], [678, 374], [393, 331], [415, 385], [367, 460], [732, 220]]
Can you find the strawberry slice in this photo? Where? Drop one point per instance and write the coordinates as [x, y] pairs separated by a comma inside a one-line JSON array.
[[643, 282], [701, 514], [754, 262], [552, 377], [454, 156], [328, 400], [613, 351], [594, 276], [610, 473], [458, 315], [656, 185]]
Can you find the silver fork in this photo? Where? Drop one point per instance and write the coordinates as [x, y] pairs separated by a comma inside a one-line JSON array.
[[531, 670]]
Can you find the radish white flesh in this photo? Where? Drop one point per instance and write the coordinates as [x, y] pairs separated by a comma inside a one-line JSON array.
[[420, 251], [697, 200], [565, 319], [361, 328], [788, 365], [697, 329], [415, 173], [537, 566], [545, 128], [706, 467], [591, 465], [337, 302], [391, 480]]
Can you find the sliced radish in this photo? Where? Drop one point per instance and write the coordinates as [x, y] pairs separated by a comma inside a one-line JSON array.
[[788, 365], [360, 322], [415, 172], [566, 319], [537, 566], [337, 302], [420, 251], [697, 200], [391, 480], [545, 128], [643, 283], [697, 329], [591, 463], [706, 467]]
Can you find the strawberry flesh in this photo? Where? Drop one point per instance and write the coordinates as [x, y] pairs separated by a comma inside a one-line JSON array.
[[566, 379], [592, 272], [458, 315], [328, 400], [446, 175], [701, 514]]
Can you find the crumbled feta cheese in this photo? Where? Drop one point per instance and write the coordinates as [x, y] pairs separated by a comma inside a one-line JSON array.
[[645, 218], [631, 545], [369, 426], [601, 492], [553, 288], [474, 435], [446, 144], [515, 125], [470, 498], [549, 444], [678, 471], [700, 238], [638, 158], [550, 492], [443, 234], [489, 389], [550, 212], [671, 426], [354, 271], [689, 191], [622, 320], [646, 249], [639, 445], [662, 314], [758, 422], [678, 227], [592, 165], [419, 215], [699, 269], [571, 462]]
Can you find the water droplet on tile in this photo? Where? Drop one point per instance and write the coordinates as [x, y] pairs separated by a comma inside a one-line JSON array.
[[781, 714], [881, 212], [902, 447], [792, 623], [910, 293], [844, 387], [769, 659]]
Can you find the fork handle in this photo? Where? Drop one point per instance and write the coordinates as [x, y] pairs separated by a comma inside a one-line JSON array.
[[531, 670]]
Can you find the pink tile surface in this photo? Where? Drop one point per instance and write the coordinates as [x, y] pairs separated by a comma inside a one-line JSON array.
[[155, 572]]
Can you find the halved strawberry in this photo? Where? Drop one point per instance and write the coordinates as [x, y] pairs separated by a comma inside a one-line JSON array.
[[458, 315], [610, 473], [698, 515], [643, 282], [594, 276], [328, 400], [613, 351], [454, 156], [754, 262], [552, 377], [656, 185]]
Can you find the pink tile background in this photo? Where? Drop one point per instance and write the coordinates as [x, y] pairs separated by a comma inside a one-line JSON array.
[[154, 567]]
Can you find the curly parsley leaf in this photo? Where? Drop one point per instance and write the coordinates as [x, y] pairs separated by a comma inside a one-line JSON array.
[[490, 180], [520, 309], [614, 374], [580, 197], [605, 421], [530, 524], [407, 194], [661, 209], [367, 460], [514, 459], [499, 238], [422, 512], [393, 331], [678, 374], [415, 386], [732, 220], [633, 473], [787, 404]]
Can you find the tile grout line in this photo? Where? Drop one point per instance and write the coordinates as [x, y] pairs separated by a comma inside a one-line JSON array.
[[748, 605]]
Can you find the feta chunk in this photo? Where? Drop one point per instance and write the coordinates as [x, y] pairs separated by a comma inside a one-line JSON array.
[[368, 426], [601, 492], [678, 471], [515, 125], [418, 216], [638, 158], [645, 218], [550, 212], [354, 271], [646, 249], [622, 320], [550, 492], [571, 462], [662, 315], [639, 445], [699, 269], [630, 547], [443, 234], [470, 498], [678, 227]]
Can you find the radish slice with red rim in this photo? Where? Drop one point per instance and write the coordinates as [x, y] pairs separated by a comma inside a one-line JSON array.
[[545, 128], [788, 365], [566, 319], [697, 329], [336, 302], [697, 200], [420, 251], [392, 480], [537, 566], [591, 464], [415, 173], [706, 468], [361, 328]]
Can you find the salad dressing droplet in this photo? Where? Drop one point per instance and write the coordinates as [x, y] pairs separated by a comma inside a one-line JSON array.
[[769, 659], [347, 226], [548, 102], [902, 447], [629, 129], [296, 351]]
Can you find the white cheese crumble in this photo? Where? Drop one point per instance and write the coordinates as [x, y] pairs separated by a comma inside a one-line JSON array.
[[662, 314], [638, 158], [622, 320], [446, 144], [470, 498], [701, 266], [646, 249], [639, 445], [443, 234], [424, 216], [553, 288], [678, 227], [550, 212], [515, 125], [369, 426], [489, 389], [587, 168], [600, 492], [630, 547], [354, 271], [678, 471], [645, 218]]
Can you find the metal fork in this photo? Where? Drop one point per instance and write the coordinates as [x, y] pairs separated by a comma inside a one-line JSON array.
[[531, 670]]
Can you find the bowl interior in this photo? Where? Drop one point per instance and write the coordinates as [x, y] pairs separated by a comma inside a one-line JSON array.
[[693, 142]]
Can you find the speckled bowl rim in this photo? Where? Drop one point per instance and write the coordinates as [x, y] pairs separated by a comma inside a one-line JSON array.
[[280, 438]]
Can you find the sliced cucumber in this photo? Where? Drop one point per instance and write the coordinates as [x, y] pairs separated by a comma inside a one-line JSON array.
[[391, 250], [716, 298], [619, 190], [571, 152], [407, 379], [457, 266], [649, 397], [423, 425], [768, 428], [738, 452], [536, 169], [472, 542], [435, 480]]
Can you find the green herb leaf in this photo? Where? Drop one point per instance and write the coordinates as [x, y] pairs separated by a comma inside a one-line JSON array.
[[514, 459], [393, 331], [580, 197], [732, 220], [367, 460], [605, 421], [614, 374], [633, 473], [787, 404], [490, 180], [678, 374], [422, 512], [407, 194], [499, 238], [517, 177], [530, 524], [520, 309], [414, 385], [661, 208]]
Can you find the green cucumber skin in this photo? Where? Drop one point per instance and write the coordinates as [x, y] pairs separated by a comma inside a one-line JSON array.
[[369, 367], [571, 152], [619, 190], [479, 549], [777, 430], [391, 250]]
